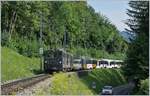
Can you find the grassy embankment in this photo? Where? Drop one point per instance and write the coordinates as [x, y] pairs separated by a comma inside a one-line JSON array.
[[14, 65], [82, 85]]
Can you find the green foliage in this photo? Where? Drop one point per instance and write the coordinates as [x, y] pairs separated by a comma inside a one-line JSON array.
[[81, 25], [137, 63], [94, 53], [104, 77], [144, 87], [82, 85], [61, 84], [14, 65]]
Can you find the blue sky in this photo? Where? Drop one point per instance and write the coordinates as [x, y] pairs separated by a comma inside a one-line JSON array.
[[115, 10]]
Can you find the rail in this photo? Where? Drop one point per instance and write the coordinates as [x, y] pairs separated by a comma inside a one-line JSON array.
[[10, 88]]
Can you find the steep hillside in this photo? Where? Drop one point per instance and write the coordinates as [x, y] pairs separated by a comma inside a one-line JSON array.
[[65, 24], [14, 65]]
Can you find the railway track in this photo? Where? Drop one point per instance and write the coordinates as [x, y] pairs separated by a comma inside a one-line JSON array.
[[10, 88]]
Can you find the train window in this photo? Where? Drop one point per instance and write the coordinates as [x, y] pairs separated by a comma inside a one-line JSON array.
[[48, 55], [83, 61], [103, 62], [76, 61], [112, 63], [94, 61], [58, 54], [88, 61]]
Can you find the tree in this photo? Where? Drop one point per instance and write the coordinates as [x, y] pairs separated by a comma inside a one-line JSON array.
[[83, 26], [137, 62]]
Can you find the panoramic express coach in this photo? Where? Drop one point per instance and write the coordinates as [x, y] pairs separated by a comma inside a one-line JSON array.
[[109, 63]]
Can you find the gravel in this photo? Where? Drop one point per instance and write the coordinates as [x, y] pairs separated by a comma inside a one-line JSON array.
[[35, 89]]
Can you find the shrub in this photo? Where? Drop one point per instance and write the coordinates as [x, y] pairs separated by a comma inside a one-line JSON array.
[[144, 87]]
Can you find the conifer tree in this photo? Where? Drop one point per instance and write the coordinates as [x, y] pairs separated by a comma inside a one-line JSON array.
[[137, 63]]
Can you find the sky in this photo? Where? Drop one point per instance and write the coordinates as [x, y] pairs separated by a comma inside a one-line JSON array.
[[114, 10]]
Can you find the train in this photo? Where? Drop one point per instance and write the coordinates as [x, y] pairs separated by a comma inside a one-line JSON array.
[[57, 60], [60, 60], [109, 63]]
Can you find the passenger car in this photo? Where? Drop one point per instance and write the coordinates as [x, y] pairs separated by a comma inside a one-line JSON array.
[[109, 63], [77, 65], [107, 90]]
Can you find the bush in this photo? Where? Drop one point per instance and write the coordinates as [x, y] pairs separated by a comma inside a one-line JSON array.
[[144, 87], [24, 46]]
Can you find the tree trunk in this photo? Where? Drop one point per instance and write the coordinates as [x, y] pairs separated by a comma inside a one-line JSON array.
[[12, 24]]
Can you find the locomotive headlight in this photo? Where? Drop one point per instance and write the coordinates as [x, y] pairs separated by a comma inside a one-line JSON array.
[[60, 62], [45, 61]]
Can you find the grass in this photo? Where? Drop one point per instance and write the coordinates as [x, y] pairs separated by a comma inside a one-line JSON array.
[[82, 85], [62, 84], [14, 65], [104, 77]]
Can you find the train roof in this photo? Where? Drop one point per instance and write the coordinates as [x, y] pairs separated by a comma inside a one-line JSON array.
[[109, 60]]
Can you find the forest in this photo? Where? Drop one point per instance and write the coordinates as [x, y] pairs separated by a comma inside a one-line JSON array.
[[72, 25], [26, 26]]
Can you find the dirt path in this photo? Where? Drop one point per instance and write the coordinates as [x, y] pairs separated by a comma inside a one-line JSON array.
[[123, 89]]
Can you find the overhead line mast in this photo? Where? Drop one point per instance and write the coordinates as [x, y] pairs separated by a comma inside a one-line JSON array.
[[41, 43], [65, 33]]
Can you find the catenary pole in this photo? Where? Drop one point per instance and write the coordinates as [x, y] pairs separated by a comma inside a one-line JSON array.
[[41, 44]]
